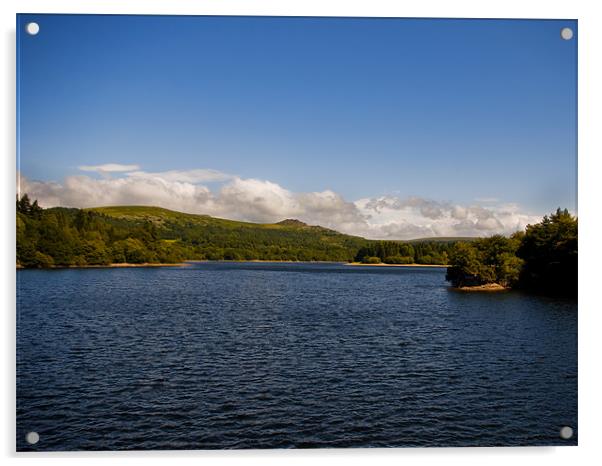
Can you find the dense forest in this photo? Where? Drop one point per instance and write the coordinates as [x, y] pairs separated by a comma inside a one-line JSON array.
[[411, 252], [102, 236], [542, 259]]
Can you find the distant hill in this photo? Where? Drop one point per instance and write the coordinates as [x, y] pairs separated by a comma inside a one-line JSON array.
[[163, 217], [138, 234], [213, 237]]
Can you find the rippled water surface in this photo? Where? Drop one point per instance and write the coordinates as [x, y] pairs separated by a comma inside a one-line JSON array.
[[257, 355]]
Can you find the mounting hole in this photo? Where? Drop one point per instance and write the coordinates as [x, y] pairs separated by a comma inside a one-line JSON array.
[[566, 33], [32, 28], [566, 432], [32, 438]]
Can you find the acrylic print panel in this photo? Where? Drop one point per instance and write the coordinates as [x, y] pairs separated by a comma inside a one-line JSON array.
[[262, 232]]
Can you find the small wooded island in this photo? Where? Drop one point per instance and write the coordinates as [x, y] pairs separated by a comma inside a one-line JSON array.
[[543, 258]]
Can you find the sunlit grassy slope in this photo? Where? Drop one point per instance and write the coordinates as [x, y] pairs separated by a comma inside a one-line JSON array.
[[163, 217]]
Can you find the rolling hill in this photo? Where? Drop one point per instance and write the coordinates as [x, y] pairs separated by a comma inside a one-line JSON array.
[[289, 239], [140, 234]]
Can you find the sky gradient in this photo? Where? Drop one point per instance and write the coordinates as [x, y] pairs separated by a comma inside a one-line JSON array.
[[379, 127]]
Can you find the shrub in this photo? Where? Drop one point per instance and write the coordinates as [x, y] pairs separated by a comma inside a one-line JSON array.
[[398, 260], [371, 260]]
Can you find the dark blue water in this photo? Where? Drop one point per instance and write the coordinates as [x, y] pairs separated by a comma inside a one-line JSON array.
[[226, 355]]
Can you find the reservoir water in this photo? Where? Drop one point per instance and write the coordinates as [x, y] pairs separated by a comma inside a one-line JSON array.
[[274, 355]]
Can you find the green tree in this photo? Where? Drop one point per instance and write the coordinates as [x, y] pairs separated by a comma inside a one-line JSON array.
[[24, 205], [466, 266], [486, 260], [132, 251], [41, 260], [95, 252], [549, 249], [508, 269], [371, 260]]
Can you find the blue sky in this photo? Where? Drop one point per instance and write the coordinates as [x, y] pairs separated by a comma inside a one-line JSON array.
[[457, 112]]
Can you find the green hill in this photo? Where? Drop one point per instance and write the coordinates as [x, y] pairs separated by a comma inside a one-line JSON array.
[[139, 234], [168, 218], [216, 238]]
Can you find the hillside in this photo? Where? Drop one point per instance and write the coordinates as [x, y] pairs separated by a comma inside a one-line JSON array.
[[165, 218], [216, 238], [139, 234]]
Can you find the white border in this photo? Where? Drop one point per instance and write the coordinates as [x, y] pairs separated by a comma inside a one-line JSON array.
[[590, 154]]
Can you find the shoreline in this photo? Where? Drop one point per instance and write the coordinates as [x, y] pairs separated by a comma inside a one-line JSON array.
[[488, 288], [121, 265], [145, 264], [207, 261], [187, 263], [397, 265]]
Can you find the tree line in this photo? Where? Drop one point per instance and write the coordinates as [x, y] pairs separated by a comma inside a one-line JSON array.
[[75, 237], [397, 252], [543, 258]]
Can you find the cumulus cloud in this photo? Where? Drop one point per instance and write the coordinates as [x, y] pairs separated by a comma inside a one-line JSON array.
[[255, 200], [429, 209], [417, 217], [84, 191]]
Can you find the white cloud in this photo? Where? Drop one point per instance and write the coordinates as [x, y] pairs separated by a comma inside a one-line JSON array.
[[254, 200], [186, 176], [393, 217], [108, 168], [415, 217], [84, 191]]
